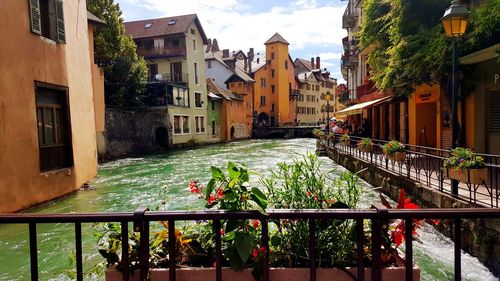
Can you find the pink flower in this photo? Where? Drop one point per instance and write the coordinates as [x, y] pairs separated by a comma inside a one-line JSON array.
[[255, 253], [222, 231]]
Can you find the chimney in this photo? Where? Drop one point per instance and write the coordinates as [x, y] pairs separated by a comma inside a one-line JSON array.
[[245, 66], [209, 46], [225, 53], [215, 46], [312, 63], [318, 63], [250, 57]]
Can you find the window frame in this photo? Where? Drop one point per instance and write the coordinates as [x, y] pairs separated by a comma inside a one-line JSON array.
[[196, 103], [181, 125], [199, 129]]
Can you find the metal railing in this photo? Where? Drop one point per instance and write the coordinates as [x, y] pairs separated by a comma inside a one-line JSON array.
[[141, 218], [425, 165], [161, 52]]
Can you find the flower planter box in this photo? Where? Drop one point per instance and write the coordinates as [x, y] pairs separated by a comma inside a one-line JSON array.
[[368, 148], [346, 143], [275, 274], [474, 176], [397, 156]]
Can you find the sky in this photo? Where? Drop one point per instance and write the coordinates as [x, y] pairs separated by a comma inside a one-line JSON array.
[[312, 27]]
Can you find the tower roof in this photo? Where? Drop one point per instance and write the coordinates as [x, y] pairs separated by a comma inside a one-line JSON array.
[[276, 38]]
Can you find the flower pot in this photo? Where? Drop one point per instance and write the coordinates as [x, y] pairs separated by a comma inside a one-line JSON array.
[[275, 274], [346, 142], [368, 148], [474, 176], [397, 156]]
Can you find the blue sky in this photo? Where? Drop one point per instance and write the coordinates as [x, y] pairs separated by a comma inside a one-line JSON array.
[[313, 27]]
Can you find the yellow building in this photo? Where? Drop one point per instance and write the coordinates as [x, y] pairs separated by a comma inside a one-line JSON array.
[[275, 84], [47, 102], [173, 47]]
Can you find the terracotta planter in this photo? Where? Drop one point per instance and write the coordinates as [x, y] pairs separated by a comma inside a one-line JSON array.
[[368, 148], [474, 176], [275, 274], [397, 156]]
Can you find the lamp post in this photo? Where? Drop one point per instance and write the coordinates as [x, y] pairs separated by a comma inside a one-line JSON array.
[[455, 23], [328, 96]]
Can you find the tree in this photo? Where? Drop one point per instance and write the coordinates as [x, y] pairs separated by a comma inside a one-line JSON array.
[[124, 71], [412, 47]]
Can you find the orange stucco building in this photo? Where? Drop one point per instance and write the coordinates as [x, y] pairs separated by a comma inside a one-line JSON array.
[[50, 89], [275, 82]]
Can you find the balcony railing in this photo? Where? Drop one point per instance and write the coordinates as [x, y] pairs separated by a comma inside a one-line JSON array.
[[366, 89], [425, 165], [350, 16], [180, 78], [294, 93], [141, 219], [150, 53]]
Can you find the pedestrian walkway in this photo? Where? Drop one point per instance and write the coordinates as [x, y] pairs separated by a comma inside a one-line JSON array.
[[426, 168]]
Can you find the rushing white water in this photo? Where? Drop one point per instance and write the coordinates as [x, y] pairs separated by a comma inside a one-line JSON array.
[[126, 184]]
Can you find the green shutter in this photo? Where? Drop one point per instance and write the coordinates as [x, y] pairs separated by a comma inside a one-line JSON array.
[[61, 34], [36, 23]]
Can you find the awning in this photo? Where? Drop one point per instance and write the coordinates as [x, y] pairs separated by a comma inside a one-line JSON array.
[[213, 96], [358, 108]]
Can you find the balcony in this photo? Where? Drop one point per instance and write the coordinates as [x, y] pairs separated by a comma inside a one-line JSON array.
[[366, 89], [350, 17], [152, 53], [294, 93], [175, 78]]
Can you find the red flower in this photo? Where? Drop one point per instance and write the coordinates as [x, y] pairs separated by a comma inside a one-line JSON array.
[[255, 223], [243, 198], [221, 231], [309, 193], [211, 199], [262, 249], [255, 253]]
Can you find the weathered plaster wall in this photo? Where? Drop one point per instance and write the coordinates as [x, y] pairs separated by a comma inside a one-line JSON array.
[[480, 237]]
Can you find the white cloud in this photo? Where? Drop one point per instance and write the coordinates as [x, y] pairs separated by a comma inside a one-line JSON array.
[[303, 23], [330, 56]]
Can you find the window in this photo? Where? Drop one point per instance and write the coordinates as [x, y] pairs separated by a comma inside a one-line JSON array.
[[153, 71], [181, 96], [286, 64], [263, 82], [196, 73], [262, 101], [47, 19], [272, 89], [194, 44], [192, 31], [213, 128], [272, 73], [148, 25], [213, 105], [272, 107], [200, 124], [181, 124], [317, 88], [197, 99], [54, 137], [209, 64], [272, 55], [172, 22]]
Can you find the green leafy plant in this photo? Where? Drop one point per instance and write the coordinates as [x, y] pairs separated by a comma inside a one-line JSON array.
[[364, 143], [463, 158], [303, 185], [345, 138], [318, 133], [392, 147]]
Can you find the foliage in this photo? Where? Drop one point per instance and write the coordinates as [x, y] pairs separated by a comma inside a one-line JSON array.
[[318, 133], [345, 138], [463, 158], [412, 48], [115, 52], [302, 185], [392, 147], [364, 143]]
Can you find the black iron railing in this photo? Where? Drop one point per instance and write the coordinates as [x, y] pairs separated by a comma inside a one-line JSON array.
[[141, 218], [425, 165]]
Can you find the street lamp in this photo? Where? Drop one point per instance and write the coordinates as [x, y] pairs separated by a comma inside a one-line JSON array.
[[455, 23], [328, 96]]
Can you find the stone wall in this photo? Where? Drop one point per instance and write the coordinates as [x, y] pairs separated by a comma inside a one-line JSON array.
[[135, 131], [480, 237]]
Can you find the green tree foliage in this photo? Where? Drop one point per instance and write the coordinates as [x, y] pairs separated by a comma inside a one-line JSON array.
[[124, 71], [412, 48]]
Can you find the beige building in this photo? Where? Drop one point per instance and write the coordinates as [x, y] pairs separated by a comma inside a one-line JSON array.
[[49, 90], [308, 102], [174, 50]]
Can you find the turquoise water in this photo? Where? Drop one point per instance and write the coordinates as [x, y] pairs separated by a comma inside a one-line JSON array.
[[127, 184]]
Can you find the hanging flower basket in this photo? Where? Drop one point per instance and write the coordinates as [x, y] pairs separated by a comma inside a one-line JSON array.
[[397, 156], [463, 165], [395, 151], [365, 145]]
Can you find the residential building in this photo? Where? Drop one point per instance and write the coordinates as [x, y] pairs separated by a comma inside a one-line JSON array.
[[51, 102], [173, 47], [214, 112], [232, 121], [276, 87]]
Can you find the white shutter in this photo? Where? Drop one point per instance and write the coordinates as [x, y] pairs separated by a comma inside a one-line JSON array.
[[61, 34], [36, 22]]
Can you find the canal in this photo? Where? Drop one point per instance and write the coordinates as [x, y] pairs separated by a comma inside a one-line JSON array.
[[162, 180]]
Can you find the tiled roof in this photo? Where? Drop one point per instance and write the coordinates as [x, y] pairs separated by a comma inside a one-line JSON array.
[[224, 93], [306, 63], [276, 38], [94, 19], [163, 26], [262, 61]]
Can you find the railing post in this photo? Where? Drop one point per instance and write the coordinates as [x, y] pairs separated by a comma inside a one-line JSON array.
[[142, 226], [171, 249], [125, 259], [409, 249], [78, 251], [379, 228], [265, 243], [33, 252]]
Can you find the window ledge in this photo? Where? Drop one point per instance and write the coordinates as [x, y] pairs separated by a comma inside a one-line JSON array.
[[48, 40], [62, 171]]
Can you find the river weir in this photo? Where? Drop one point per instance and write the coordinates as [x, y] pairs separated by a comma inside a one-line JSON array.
[[161, 181]]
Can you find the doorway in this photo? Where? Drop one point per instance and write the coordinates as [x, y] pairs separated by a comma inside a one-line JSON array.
[[426, 124]]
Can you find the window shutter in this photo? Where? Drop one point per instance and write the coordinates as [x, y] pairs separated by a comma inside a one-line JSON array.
[[61, 34], [36, 22]]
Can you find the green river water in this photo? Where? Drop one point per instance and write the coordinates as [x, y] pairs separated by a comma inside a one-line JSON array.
[[126, 184]]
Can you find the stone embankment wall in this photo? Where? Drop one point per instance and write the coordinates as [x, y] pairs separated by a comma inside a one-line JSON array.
[[480, 237], [134, 132]]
